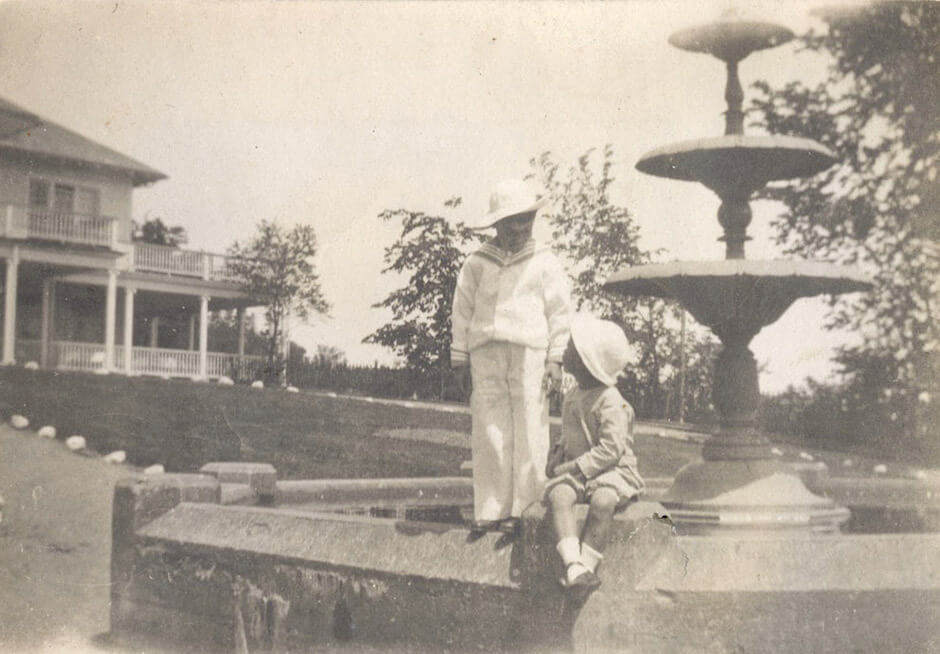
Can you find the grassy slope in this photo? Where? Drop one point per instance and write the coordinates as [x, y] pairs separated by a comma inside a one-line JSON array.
[[184, 425]]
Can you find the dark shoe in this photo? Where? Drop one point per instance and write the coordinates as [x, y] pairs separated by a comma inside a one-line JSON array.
[[586, 580], [510, 526], [582, 586], [482, 526]]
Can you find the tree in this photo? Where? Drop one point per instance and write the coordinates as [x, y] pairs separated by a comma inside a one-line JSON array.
[[878, 208], [278, 267], [223, 334], [156, 232], [597, 238], [430, 251], [328, 356]]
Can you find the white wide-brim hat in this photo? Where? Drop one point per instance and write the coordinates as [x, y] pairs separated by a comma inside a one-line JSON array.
[[509, 198], [602, 346]]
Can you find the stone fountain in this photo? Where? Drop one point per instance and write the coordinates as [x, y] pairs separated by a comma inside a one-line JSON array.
[[235, 559], [739, 484]]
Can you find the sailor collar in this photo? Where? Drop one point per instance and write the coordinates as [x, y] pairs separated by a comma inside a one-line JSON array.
[[490, 251]]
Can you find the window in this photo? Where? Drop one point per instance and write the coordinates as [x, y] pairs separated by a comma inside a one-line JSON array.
[[65, 198], [38, 193], [86, 201]]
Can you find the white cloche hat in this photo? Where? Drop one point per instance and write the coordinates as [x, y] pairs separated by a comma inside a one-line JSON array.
[[509, 198], [602, 346]]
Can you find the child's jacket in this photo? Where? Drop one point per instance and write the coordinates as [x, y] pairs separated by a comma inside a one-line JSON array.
[[519, 298], [597, 432]]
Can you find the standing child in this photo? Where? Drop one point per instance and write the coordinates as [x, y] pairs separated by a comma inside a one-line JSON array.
[[593, 460], [510, 325]]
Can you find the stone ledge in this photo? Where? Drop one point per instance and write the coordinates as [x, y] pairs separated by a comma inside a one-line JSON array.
[[260, 477]]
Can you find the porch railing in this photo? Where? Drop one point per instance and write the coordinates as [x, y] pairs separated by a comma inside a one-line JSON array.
[[73, 355], [26, 222], [175, 261], [23, 222], [164, 361]]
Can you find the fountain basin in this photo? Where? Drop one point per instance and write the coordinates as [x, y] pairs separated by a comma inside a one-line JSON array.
[[192, 574], [734, 296], [737, 163]]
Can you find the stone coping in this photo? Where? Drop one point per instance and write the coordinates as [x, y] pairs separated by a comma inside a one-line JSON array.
[[376, 545], [864, 562]]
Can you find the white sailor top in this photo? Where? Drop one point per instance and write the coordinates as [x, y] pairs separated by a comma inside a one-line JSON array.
[[520, 298]]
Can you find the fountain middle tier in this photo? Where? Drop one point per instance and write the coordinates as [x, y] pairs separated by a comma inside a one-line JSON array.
[[736, 164]]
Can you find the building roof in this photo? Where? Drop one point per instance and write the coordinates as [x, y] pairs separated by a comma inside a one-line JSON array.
[[26, 132]]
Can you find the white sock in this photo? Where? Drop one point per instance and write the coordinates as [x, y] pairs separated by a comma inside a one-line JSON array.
[[570, 551], [590, 557]]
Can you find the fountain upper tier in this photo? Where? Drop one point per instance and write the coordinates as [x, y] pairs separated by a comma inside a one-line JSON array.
[[731, 40], [737, 163], [735, 298]]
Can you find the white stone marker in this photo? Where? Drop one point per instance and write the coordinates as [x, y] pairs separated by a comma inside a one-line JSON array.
[[75, 443], [117, 456]]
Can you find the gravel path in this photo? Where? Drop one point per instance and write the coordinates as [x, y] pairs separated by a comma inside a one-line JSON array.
[[55, 545]]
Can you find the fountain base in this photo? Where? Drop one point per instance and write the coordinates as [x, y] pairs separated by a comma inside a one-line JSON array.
[[730, 497]]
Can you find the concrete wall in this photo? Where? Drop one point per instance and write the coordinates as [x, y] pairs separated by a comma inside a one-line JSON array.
[[218, 577]]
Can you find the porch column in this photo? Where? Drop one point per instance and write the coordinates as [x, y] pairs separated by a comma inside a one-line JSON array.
[[203, 336], [110, 311], [240, 314], [192, 332], [154, 331], [44, 323], [9, 308], [129, 294], [240, 317]]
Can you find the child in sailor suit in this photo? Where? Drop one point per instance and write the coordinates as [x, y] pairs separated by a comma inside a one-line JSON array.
[[510, 328]]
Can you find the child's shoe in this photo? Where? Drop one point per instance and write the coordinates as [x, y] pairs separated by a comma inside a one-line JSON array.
[[586, 581], [510, 526], [483, 526], [581, 587]]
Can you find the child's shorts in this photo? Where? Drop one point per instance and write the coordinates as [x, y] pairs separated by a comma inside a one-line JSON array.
[[610, 479]]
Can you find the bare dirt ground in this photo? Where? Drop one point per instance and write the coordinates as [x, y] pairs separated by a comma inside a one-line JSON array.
[[55, 545]]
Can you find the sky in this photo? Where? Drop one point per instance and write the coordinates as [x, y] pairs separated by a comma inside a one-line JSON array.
[[328, 113]]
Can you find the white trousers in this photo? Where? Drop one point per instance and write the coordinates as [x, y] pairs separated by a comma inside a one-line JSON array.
[[509, 438]]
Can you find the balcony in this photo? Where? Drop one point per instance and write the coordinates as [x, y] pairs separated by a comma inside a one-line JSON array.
[[22, 222], [174, 261]]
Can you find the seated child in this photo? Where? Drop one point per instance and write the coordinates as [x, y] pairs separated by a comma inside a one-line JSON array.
[[593, 460]]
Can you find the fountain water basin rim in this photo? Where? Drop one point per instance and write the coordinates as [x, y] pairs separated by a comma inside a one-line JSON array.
[[739, 160], [736, 297], [802, 278]]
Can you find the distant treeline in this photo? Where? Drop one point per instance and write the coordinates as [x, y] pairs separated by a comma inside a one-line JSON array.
[[403, 383]]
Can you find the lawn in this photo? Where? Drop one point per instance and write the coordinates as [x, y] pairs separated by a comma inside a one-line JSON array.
[[184, 424]]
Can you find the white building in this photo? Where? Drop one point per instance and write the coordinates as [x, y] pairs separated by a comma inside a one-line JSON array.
[[78, 293]]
